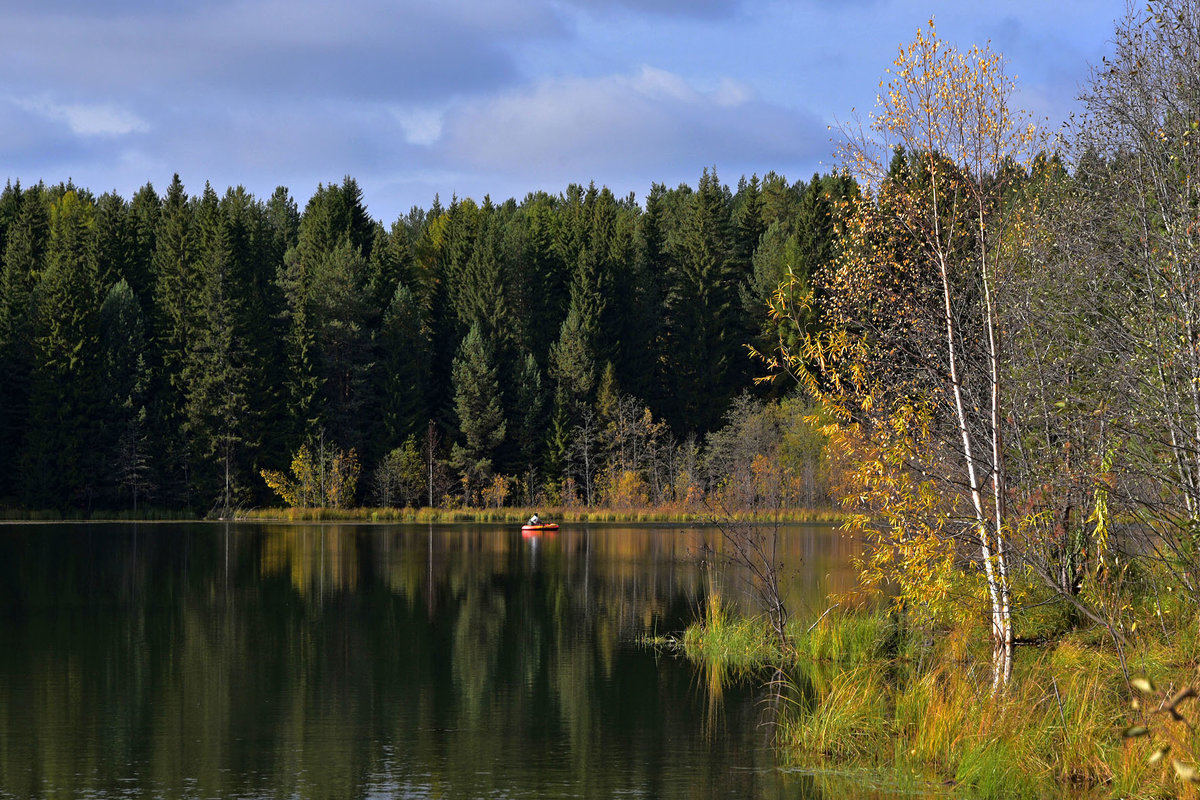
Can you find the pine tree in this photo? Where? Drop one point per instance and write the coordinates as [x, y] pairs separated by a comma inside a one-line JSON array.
[[529, 421], [405, 369], [124, 374], [144, 212], [477, 401], [62, 456], [215, 377], [176, 286], [114, 233], [24, 255], [701, 326]]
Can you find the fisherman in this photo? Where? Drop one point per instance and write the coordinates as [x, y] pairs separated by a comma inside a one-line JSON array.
[[535, 519]]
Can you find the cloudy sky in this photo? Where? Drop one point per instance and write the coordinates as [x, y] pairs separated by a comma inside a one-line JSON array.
[[472, 97]]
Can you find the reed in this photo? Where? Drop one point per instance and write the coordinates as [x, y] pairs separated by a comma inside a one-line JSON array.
[[723, 639], [869, 695], [677, 513]]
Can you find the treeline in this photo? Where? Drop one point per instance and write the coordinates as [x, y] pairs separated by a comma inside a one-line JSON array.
[[169, 350]]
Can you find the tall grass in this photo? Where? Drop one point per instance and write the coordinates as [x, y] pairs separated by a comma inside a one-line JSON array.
[[97, 515], [674, 513], [870, 694], [722, 639], [513, 514]]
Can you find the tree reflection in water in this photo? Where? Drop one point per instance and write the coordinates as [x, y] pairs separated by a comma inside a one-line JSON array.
[[345, 660]]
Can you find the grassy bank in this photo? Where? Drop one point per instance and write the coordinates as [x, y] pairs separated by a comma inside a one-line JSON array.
[[98, 515], [867, 693], [572, 514], [569, 514]]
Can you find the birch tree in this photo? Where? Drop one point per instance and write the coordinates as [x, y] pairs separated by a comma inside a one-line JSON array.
[[908, 360]]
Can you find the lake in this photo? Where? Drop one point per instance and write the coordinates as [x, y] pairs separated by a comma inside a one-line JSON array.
[[212, 660]]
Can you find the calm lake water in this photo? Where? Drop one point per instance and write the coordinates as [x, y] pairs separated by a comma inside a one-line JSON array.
[[364, 661]]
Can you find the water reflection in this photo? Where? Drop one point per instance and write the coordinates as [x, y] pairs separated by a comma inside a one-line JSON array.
[[361, 661]]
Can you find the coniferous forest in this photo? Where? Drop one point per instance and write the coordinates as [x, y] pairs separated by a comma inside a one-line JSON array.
[[171, 350]]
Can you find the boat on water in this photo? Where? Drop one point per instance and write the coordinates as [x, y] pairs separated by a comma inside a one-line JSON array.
[[541, 527]]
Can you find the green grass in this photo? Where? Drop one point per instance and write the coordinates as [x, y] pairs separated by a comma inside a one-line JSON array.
[[514, 514], [98, 515], [868, 694], [729, 641], [509, 514]]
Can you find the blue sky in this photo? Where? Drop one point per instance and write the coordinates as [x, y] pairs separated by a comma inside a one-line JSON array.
[[475, 97]]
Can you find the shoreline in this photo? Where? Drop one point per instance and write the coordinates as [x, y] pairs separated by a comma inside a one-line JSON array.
[[448, 515]]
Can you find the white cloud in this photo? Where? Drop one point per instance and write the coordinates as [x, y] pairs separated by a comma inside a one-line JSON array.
[[421, 126], [652, 121], [87, 119]]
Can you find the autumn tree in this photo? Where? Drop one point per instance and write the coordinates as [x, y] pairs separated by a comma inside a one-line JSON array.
[[1137, 186], [323, 475], [910, 365]]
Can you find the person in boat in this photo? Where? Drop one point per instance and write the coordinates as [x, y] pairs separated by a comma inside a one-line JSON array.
[[535, 519]]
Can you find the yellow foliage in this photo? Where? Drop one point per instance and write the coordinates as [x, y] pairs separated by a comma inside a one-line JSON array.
[[496, 493], [329, 482], [629, 490]]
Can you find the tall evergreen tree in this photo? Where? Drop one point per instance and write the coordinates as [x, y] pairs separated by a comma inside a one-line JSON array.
[[323, 283], [529, 421], [216, 373], [176, 285], [124, 374], [341, 318], [405, 370], [701, 328], [62, 455], [390, 265], [477, 401], [144, 211], [24, 256]]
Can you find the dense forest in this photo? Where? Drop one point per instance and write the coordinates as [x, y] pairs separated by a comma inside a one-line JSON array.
[[170, 351]]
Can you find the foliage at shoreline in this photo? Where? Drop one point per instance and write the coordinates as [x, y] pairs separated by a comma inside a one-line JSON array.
[[517, 514], [867, 690], [1015, 435], [508, 514]]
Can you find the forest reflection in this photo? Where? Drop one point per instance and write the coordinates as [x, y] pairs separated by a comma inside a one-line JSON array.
[[342, 660]]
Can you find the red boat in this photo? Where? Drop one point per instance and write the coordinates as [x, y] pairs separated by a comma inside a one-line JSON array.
[[541, 527]]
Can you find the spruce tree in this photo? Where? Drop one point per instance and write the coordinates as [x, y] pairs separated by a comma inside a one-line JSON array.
[[24, 257], [341, 322], [702, 330], [573, 365], [216, 375], [404, 369], [63, 466], [481, 422], [144, 211], [322, 283], [529, 421], [124, 374], [176, 286], [114, 233]]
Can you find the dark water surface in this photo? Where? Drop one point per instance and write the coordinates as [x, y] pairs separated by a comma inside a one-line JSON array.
[[349, 661]]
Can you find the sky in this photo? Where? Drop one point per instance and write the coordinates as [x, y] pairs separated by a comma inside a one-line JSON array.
[[481, 97]]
